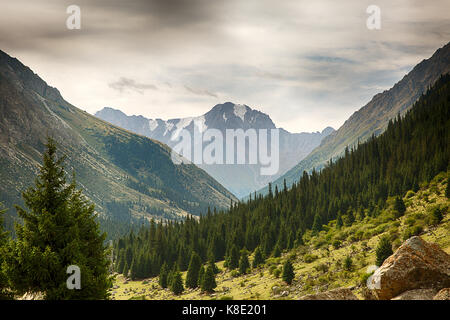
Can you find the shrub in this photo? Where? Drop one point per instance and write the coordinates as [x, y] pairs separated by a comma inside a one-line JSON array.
[[337, 244], [436, 215], [348, 263], [308, 258], [277, 273]]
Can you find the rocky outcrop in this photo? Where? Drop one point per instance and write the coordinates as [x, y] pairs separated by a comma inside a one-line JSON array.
[[335, 294], [415, 265]]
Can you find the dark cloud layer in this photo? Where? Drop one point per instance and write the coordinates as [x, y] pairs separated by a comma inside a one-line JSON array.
[[308, 64]]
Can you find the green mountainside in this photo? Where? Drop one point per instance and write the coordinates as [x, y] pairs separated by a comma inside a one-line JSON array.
[[363, 190], [130, 178], [319, 263], [373, 118]]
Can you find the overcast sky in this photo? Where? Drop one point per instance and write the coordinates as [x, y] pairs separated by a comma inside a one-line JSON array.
[[308, 64]]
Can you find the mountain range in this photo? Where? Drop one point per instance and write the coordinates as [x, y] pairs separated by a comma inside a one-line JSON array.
[[129, 177], [373, 118], [293, 147]]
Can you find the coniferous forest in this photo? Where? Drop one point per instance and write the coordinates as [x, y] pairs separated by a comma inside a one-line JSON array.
[[414, 148]]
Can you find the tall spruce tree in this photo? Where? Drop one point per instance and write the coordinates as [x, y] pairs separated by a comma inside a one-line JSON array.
[[399, 205], [193, 271], [209, 280], [288, 272], [383, 250], [233, 258], [177, 283], [244, 264], [163, 275], [258, 258], [59, 229]]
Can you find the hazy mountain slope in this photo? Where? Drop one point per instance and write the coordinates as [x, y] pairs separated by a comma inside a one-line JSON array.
[[374, 117], [239, 179], [127, 176]]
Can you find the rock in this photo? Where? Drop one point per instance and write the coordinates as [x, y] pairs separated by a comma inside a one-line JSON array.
[[415, 265], [444, 294], [276, 290], [284, 294], [335, 294], [417, 294]]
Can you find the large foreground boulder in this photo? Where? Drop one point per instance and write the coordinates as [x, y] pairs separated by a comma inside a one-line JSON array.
[[415, 265], [335, 294]]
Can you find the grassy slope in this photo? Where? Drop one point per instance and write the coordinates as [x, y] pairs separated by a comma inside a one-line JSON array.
[[324, 271]]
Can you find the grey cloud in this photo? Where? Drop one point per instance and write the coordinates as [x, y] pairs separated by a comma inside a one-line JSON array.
[[124, 84], [201, 92]]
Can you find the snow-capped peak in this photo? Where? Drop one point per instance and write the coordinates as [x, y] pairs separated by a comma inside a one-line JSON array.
[[240, 110], [153, 124]]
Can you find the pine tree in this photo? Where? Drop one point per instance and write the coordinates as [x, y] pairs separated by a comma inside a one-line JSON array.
[[177, 284], [233, 258], [163, 275], [288, 272], [277, 251], [209, 280], [193, 271], [133, 270], [383, 251], [258, 258], [244, 264], [399, 206], [126, 270], [317, 224], [201, 275], [171, 275], [436, 215], [59, 230]]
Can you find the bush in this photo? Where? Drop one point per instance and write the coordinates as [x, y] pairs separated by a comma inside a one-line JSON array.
[[277, 273], [308, 258], [412, 231], [436, 215], [234, 273], [348, 263], [337, 244]]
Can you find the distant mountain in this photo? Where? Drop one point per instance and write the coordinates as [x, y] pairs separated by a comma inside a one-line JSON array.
[[373, 118], [129, 177], [239, 179]]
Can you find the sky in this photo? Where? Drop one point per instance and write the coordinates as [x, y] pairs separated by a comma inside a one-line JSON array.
[[307, 64]]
